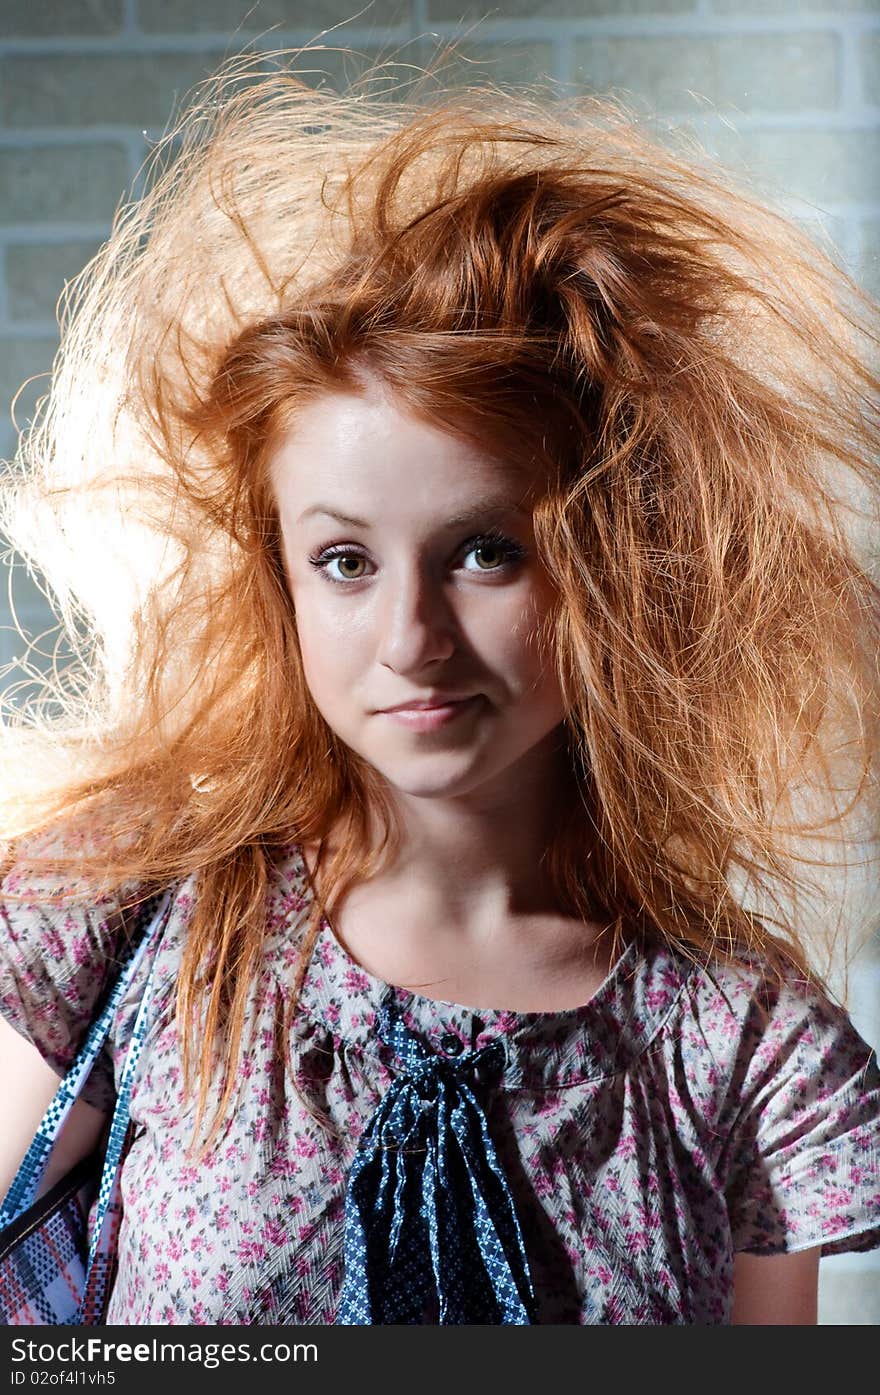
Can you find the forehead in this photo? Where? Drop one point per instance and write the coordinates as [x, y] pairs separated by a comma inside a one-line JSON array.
[[369, 457]]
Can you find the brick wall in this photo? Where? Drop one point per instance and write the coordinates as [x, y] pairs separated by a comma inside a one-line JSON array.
[[785, 90]]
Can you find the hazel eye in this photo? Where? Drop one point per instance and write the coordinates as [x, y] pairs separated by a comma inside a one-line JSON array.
[[492, 551], [349, 565], [493, 554]]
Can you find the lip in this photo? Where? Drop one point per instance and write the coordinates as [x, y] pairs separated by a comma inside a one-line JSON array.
[[429, 703], [428, 717]]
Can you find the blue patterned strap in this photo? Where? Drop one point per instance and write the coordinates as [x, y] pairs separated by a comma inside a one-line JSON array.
[[431, 1233], [25, 1184], [119, 1123]]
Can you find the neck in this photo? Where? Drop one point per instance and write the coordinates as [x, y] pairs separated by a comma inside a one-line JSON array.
[[482, 854], [464, 909]]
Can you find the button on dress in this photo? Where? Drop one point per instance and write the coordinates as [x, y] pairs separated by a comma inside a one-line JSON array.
[[686, 1112]]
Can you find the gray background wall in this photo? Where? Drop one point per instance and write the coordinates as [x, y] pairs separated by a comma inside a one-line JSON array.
[[787, 91]]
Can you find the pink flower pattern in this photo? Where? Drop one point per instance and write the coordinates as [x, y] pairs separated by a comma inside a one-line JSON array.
[[683, 1114]]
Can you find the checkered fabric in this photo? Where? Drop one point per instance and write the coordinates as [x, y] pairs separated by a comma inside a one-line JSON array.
[[51, 1270], [431, 1234], [42, 1260]]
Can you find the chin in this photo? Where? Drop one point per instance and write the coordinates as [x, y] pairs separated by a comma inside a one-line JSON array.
[[426, 783]]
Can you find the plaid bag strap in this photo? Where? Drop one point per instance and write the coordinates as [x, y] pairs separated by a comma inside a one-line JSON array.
[[24, 1186]]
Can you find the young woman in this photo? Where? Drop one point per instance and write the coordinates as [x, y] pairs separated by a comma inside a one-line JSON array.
[[458, 499]]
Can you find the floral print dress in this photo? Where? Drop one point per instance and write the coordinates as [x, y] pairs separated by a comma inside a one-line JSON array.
[[683, 1114]]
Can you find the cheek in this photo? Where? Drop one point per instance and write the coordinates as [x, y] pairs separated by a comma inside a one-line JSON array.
[[526, 642], [530, 660], [317, 663], [332, 652], [317, 650]]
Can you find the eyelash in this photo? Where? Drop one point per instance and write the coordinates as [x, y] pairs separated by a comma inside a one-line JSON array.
[[515, 553]]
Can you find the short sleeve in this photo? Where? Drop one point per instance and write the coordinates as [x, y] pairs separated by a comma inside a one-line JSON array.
[[804, 1150], [56, 965]]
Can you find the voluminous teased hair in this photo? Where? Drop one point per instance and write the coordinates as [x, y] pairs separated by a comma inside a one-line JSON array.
[[685, 378]]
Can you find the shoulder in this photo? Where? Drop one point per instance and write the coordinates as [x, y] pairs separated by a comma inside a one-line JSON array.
[[797, 1092], [49, 927], [60, 948], [766, 1060], [768, 1076], [771, 1022], [290, 899]]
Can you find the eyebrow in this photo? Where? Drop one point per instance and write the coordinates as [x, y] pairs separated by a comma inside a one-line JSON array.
[[479, 509]]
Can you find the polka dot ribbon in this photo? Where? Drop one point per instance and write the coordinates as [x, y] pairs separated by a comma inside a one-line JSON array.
[[431, 1234]]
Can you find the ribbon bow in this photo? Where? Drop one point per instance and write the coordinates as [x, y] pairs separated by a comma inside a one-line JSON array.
[[431, 1233]]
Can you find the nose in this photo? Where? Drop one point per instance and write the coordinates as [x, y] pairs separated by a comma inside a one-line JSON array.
[[417, 624]]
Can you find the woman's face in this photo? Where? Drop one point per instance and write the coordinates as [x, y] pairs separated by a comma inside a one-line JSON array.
[[411, 563]]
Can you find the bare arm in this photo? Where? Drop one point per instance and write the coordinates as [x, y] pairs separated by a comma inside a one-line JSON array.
[[776, 1289], [27, 1084]]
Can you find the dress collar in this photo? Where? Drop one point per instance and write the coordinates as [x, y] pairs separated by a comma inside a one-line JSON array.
[[543, 1050]]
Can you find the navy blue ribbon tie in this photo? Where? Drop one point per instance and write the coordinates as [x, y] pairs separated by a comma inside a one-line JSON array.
[[431, 1234]]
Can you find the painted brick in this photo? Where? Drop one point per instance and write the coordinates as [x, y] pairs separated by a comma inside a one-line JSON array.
[[794, 7], [10, 646], [88, 89], [77, 183], [869, 269], [39, 626], [453, 11], [767, 72], [35, 275], [869, 56], [340, 70], [863, 995], [51, 18], [507, 63], [197, 17], [849, 1298], [825, 165], [31, 605], [870, 954], [854, 976], [142, 90], [23, 361]]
